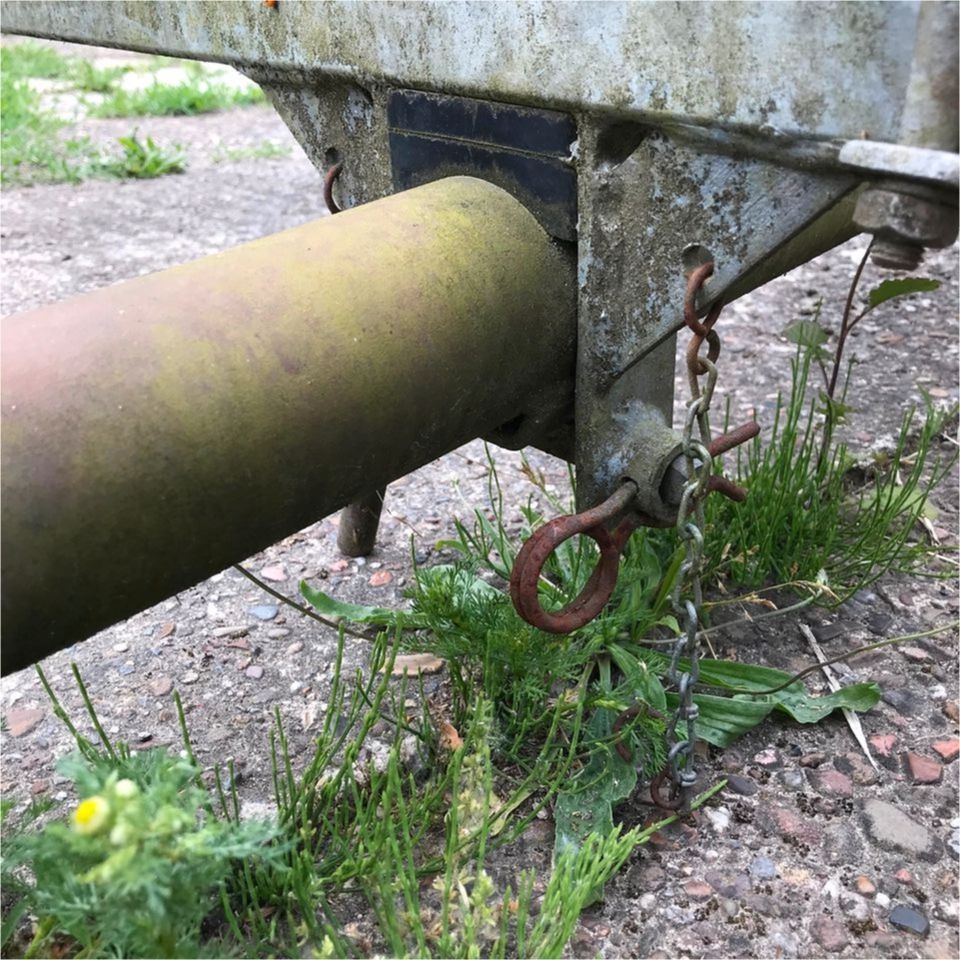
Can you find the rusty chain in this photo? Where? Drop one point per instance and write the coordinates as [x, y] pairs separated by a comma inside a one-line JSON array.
[[697, 453]]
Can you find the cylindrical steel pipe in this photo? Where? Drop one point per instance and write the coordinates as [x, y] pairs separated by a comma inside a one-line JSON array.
[[156, 431]]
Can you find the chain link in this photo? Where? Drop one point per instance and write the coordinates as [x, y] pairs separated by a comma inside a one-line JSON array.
[[681, 742]]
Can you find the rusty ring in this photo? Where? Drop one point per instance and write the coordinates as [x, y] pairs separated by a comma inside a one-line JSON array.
[[625, 753], [528, 567], [328, 181], [656, 784]]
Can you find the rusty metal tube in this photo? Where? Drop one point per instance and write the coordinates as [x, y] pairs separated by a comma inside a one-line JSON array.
[[156, 431]]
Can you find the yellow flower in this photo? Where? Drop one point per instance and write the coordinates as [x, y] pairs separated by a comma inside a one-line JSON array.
[[91, 815]]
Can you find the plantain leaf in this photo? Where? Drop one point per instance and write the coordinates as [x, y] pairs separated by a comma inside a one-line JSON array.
[[806, 333]]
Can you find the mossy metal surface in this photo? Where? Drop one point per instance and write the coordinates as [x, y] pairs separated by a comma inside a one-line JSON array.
[[158, 430]]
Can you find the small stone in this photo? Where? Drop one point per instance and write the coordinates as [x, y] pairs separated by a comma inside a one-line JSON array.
[[121, 647], [793, 779], [763, 868], [276, 573], [20, 721], [729, 908], [922, 770], [830, 780], [951, 710], [948, 911], [904, 876], [882, 900], [243, 663], [767, 758], [254, 672], [295, 647], [916, 654], [890, 827], [648, 903], [264, 611], [882, 743], [381, 578], [830, 631], [907, 918], [191, 676], [938, 692], [902, 701], [812, 759], [855, 906], [160, 686], [857, 767], [865, 886], [719, 818], [275, 633], [38, 787], [948, 749], [879, 938], [233, 633], [416, 663], [829, 933], [698, 890], [784, 822], [742, 785], [166, 630]]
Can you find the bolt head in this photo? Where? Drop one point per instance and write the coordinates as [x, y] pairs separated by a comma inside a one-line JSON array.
[[905, 219]]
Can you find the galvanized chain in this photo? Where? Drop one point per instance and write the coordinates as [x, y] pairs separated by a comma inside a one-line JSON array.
[[690, 528]]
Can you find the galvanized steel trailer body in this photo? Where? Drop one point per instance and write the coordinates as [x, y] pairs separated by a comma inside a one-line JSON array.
[[653, 136]]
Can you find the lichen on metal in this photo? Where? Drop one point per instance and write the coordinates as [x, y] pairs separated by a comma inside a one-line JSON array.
[[808, 69]]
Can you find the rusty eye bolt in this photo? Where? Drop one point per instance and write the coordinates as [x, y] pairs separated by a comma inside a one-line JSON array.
[[610, 523]]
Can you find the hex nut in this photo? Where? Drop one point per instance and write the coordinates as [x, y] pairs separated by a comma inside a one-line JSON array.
[[906, 218]]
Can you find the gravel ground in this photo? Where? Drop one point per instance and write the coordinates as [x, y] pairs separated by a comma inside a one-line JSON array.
[[808, 852]]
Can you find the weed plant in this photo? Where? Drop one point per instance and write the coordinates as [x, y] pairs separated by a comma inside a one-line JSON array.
[[176, 100], [812, 509]]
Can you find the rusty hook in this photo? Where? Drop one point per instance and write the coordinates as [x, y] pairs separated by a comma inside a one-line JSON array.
[[328, 182], [528, 567]]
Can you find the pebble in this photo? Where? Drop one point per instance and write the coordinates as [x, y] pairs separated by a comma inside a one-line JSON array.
[[698, 890], [831, 780], [295, 647], [938, 692], [902, 701], [904, 876], [767, 758], [829, 933], [907, 918], [948, 911], [882, 900], [381, 578], [719, 818], [763, 868], [882, 743], [21, 721], [784, 822], [879, 938], [275, 633], [729, 908], [121, 647], [254, 671], [191, 676], [793, 779], [742, 785], [855, 906], [948, 749], [888, 826], [951, 710], [856, 766], [160, 686], [922, 770], [264, 611], [916, 654], [865, 886], [648, 903], [275, 572], [812, 759], [234, 632]]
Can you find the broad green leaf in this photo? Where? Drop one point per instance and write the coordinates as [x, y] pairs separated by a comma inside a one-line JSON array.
[[355, 613], [900, 287], [806, 333], [723, 719], [586, 806]]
